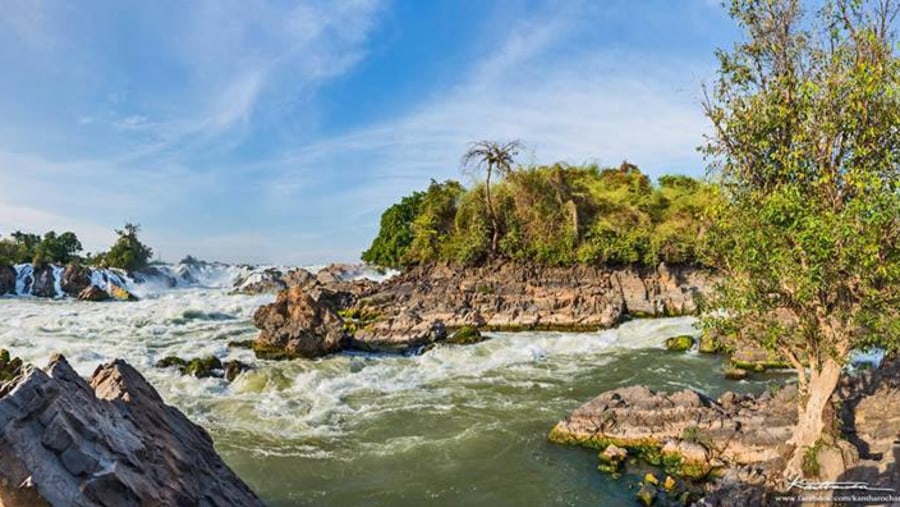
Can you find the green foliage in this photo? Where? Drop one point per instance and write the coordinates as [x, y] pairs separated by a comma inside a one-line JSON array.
[[27, 247], [127, 252], [554, 215], [395, 234], [807, 148], [806, 113]]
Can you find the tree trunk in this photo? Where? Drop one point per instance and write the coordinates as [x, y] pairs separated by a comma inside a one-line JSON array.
[[495, 232], [811, 423]]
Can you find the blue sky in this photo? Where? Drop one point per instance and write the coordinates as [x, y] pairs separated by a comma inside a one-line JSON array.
[[260, 131]]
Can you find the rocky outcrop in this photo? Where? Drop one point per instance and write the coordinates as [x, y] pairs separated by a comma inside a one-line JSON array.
[[686, 431], [75, 279], [43, 282], [7, 279], [427, 303], [110, 442], [302, 322], [272, 280]]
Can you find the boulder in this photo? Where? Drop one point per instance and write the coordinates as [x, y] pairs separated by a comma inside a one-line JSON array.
[[119, 293], [7, 279], [681, 343], [44, 284], [93, 293], [300, 323], [466, 335], [113, 441], [75, 279]]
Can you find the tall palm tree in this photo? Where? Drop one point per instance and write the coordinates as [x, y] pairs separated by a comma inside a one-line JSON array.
[[492, 156]]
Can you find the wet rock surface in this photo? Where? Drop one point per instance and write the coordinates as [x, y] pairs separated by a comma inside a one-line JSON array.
[[111, 441], [7, 279]]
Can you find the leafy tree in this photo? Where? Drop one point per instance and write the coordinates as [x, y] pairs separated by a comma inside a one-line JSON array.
[[395, 234], [806, 113], [25, 245], [128, 252], [492, 157], [434, 223], [60, 249]]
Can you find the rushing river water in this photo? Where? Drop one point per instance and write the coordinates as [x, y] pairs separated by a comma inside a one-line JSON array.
[[462, 425]]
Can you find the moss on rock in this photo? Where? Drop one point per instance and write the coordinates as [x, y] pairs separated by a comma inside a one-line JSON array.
[[466, 335], [680, 343], [10, 368]]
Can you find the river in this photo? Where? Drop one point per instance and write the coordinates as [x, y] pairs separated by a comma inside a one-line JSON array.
[[457, 425]]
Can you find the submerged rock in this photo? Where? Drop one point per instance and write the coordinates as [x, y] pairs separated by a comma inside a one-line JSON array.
[[202, 367], [64, 441], [680, 343], [466, 335], [7, 279]]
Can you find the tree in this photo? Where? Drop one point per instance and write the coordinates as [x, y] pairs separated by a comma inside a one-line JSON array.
[[395, 234], [128, 252], [806, 113], [492, 157]]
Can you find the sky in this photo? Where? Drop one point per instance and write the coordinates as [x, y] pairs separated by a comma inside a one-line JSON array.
[[277, 132]]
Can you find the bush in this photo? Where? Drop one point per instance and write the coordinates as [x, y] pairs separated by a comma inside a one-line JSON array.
[[127, 252], [554, 215]]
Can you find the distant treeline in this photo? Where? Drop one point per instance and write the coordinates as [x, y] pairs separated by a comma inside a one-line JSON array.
[[557, 215], [126, 253]]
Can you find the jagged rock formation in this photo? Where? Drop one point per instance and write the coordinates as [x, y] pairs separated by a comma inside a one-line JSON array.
[[421, 305], [110, 442], [698, 434]]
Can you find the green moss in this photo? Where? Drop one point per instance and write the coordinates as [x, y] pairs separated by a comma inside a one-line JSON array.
[[735, 373], [170, 361], [199, 367], [709, 344], [810, 464], [202, 367], [10, 368], [271, 353], [759, 366], [466, 335], [358, 318], [680, 343], [241, 344]]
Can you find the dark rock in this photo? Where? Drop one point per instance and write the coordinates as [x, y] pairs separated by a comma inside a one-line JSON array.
[[151, 273], [44, 284], [64, 441], [234, 368], [93, 293], [466, 336], [75, 279], [7, 279]]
